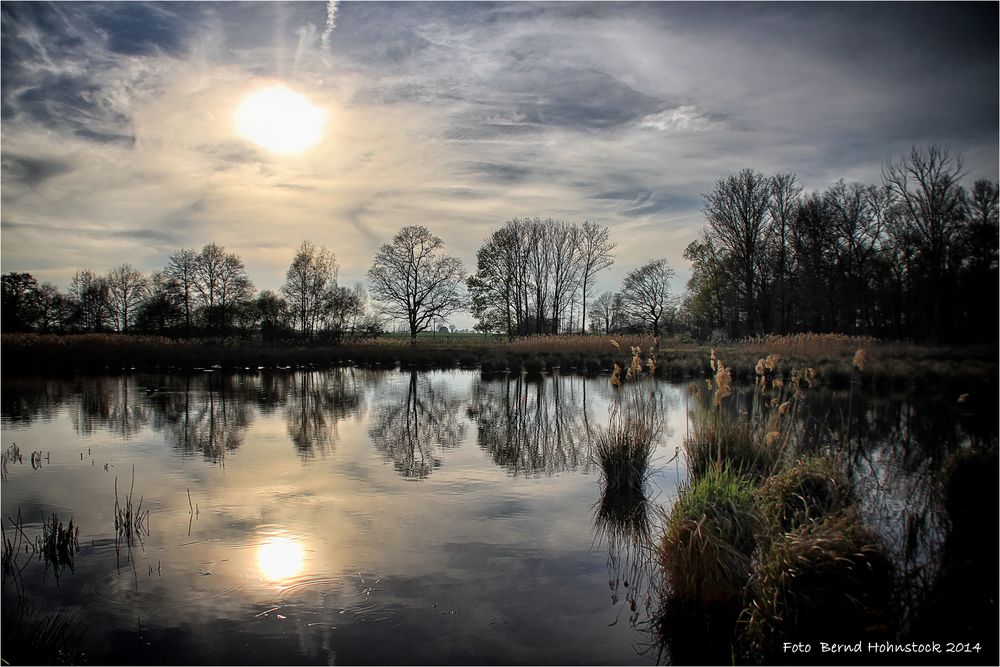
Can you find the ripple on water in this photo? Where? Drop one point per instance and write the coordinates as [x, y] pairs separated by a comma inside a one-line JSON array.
[[125, 587]]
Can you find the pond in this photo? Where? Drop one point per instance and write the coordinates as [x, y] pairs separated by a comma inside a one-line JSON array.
[[375, 516], [335, 516]]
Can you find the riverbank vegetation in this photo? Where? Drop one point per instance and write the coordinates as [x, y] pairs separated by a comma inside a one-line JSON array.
[[966, 370], [771, 538]]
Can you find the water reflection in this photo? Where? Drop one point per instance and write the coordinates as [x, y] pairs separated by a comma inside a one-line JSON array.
[[24, 400], [534, 426], [316, 402], [209, 416], [413, 420], [625, 524], [279, 558], [111, 404]]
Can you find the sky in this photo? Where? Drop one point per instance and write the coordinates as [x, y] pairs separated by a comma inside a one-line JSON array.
[[120, 143]]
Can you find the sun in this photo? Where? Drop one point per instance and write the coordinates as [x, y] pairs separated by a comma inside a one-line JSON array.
[[279, 558], [280, 119]]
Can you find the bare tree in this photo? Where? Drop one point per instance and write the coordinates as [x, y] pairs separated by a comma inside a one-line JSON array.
[[88, 295], [563, 239], [126, 290], [926, 187], [221, 283], [601, 313], [595, 249], [646, 293], [785, 192], [414, 281], [737, 211], [309, 282], [182, 272]]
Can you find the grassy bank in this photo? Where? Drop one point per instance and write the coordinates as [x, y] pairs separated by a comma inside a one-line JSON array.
[[832, 356], [767, 543]]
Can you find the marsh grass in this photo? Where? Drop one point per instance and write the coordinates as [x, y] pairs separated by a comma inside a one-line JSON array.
[[624, 450], [828, 580], [33, 638], [808, 490], [16, 544], [755, 438], [59, 544], [831, 355], [131, 522], [710, 537]]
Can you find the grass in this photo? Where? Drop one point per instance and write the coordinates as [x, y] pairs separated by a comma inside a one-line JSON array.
[[131, 522], [33, 638], [624, 451], [59, 544], [710, 537], [831, 355], [14, 545], [808, 490], [827, 580]]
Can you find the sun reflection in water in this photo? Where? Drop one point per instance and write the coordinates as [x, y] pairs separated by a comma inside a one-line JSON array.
[[279, 558]]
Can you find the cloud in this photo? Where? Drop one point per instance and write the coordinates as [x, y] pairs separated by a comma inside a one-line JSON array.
[[685, 118], [31, 171], [117, 119]]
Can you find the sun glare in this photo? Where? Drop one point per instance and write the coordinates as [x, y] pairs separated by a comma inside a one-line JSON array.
[[279, 558], [280, 120]]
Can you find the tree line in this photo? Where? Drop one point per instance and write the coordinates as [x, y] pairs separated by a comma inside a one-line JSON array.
[[913, 257], [197, 293]]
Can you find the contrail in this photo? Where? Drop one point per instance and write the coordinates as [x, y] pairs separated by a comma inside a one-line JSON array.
[[331, 23]]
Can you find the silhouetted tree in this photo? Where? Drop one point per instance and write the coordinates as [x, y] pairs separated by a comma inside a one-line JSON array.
[[646, 293], [20, 301], [926, 186], [738, 225], [595, 250], [89, 299], [414, 281], [126, 290], [310, 286], [181, 276], [222, 285]]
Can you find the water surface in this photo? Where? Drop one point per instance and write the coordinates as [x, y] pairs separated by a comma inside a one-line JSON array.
[[340, 516]]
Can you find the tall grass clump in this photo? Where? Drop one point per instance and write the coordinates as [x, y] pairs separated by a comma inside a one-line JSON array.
[[710, 537], [705, 556], [59, 544], [624, 451], [33, 638], [754, 441], [828, 580], [131, 522], [809, 490]]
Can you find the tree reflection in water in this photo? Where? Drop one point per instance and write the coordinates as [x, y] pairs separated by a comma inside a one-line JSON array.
[[207, 415], [316, 402], [111, 403], [534, 426], [409, 426]]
